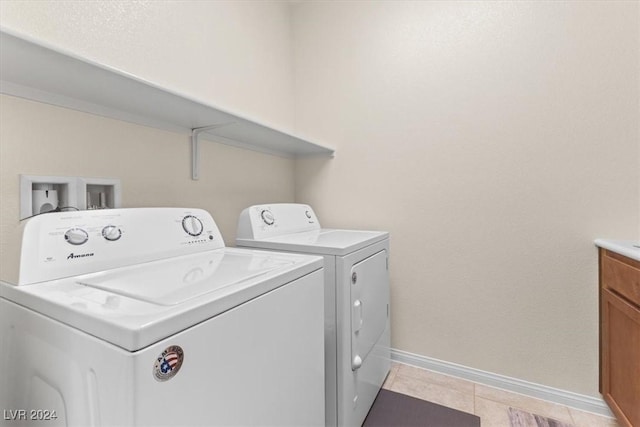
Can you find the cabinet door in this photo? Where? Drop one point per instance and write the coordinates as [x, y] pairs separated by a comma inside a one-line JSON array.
[[621, 358], [621, 275]]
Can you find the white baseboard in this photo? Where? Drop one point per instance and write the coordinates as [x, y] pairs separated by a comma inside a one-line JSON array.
[[538, 391]]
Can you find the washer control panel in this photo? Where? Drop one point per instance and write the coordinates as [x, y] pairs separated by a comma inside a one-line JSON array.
[[264, 221], [65, 244]]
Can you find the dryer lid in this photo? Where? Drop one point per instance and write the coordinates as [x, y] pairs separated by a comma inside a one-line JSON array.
[[325, 241]]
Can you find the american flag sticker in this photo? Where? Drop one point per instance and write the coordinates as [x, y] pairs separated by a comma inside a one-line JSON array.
[[168, 363]]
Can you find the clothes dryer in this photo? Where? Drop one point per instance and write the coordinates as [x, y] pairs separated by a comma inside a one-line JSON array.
[[357, 332], [142, 317]]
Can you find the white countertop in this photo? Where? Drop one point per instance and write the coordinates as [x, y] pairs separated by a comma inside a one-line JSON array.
[[628, 248]]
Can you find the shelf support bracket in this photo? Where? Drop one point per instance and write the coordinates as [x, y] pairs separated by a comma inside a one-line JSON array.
[[195, 152]]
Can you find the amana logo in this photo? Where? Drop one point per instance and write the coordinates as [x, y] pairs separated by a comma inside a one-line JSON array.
[[168, 363], [72, 256]]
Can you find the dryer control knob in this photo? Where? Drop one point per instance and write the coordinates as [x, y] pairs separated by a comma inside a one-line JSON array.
[[267, 217], [111, 233], [76, 236], [192, 225]]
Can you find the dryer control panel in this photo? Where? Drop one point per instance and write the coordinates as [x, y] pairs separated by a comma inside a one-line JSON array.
[[64, 244], [264, 221]]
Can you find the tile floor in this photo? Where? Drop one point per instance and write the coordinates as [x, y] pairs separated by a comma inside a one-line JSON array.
[[490, 404]]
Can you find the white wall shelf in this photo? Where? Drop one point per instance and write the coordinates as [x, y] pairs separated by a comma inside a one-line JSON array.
[[33, 70]]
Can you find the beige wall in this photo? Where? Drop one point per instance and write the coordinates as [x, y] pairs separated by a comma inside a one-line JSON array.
[[495, 141], [232, 54]]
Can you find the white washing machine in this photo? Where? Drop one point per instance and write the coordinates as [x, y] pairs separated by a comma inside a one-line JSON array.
[[142, 317], [357, 334]]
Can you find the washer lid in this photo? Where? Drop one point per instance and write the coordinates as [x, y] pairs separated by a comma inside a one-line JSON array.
[[179, 280], [325, 241], [135, 306]]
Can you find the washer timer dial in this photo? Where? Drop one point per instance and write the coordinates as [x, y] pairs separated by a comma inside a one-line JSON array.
[[192, 225]]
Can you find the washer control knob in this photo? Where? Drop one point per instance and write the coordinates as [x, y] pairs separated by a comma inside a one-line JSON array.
[[267, 217], [111, 233], [192, 225], [308, 214], [76, 236]]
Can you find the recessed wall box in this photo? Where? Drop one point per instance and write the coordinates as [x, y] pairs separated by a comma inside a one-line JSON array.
[[99, 193], [41, 194]]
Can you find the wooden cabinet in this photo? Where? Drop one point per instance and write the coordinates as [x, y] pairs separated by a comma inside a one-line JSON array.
[[620, 336]]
